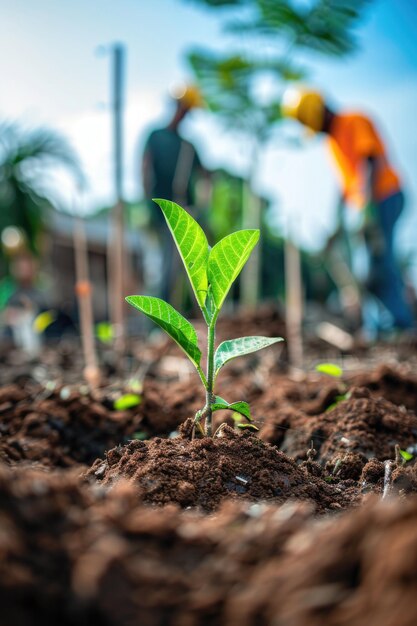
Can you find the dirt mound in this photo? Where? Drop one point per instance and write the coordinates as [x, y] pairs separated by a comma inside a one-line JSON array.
[[59, 428], [77, 556], [395, 384], [204, 472], [361, 424]]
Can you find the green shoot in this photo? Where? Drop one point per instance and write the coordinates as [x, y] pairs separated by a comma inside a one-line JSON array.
[[211, 272], [330, 369], [104, 332], [402, 456], [128, 401], [407, 456]]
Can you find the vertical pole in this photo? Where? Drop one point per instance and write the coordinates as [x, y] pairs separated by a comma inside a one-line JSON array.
[[116, 256], [294, 304], [85, 304]]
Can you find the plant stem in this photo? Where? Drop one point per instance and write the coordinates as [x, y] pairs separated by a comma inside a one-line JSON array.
[[210, 376]]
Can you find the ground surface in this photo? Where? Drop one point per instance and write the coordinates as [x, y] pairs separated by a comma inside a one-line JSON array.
[[124, 517]]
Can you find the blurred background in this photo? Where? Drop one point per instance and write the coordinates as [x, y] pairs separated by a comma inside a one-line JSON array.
[[85, 83]]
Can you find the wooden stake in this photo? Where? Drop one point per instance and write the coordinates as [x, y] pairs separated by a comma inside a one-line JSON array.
[[294, 304], [85, 305]]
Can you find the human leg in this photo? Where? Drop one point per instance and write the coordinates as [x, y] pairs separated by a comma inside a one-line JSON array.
[[386, 281]]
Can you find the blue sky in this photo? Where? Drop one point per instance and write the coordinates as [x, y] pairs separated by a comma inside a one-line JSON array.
[[52, 74]]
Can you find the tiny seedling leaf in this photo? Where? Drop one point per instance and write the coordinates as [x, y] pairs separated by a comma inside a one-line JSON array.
[[330, 369], [241, 407], [248, 427], [191, 243], [105, 332], [172, 322], [226, 261], [407, 456], [238, 407], [128, 401], [233, 348]]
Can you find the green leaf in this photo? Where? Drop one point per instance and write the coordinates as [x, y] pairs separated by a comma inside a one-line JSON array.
[[243, 408], [248, 427], [172, 322], [128, 401], [191, 243], [233, 348], [226, 261], [330, 369], [105, 332], [407, 456], [238, 407]]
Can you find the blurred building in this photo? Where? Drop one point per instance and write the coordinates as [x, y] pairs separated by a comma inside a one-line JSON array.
[[59, 260]]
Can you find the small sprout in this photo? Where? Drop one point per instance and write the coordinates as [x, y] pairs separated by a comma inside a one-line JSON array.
[[407, 456], [237, 418], [211, 272], [105, 332], [43, 320], [402, 456], [330, 369], [128, 401]]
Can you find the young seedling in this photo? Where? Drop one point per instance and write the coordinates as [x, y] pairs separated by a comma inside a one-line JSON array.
[[211, 272], [402, 456], [333, 370]]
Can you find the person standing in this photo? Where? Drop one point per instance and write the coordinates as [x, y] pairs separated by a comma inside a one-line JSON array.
[[170, 170], [369, 182]]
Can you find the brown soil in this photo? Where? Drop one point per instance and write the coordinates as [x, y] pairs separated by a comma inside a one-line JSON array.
[[398, 385], [204, 472], [77, 556], [61, 428], [363, 423]]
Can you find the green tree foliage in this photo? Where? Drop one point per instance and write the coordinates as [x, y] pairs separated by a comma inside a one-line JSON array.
[[26, 162], [270, 34]]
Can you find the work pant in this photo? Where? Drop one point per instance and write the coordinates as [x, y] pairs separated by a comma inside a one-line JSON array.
[[385, 280]]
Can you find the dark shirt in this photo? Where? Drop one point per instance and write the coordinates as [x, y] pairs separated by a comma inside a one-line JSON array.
[[173, 165]]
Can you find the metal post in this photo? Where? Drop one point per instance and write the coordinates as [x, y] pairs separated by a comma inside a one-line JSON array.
[[116, 254]]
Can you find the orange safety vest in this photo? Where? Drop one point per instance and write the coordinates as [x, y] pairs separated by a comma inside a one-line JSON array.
[[352, 139]]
